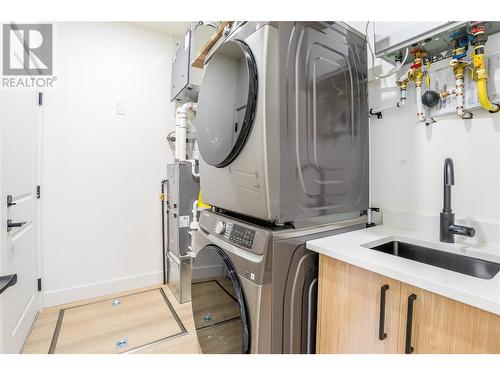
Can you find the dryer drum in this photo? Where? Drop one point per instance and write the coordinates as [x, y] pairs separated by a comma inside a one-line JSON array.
[[227, 103]]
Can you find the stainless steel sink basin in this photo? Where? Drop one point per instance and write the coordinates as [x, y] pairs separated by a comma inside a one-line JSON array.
[[454, 262]]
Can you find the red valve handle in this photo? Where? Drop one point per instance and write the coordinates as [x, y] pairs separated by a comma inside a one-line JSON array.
[[477, 29]]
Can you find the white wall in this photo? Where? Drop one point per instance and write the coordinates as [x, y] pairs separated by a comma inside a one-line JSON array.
[[407, 161], [102, 171]]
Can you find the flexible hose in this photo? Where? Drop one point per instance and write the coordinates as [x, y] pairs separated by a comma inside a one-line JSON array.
[[479, 60], [483, 97], [389, 73]]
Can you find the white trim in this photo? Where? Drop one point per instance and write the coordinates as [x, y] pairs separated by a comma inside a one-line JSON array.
[[60, 296]]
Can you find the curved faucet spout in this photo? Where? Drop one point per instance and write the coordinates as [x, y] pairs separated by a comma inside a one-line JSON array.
[[449, 181], [447, 227], [449, 173]]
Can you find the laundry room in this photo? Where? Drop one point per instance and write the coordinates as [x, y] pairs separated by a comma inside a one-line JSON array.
[[214, 183]]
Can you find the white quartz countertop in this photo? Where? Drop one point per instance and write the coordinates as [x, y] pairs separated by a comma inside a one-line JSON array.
[[352, 248]]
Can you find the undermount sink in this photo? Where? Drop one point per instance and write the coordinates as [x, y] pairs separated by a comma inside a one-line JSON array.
[[480, 268]]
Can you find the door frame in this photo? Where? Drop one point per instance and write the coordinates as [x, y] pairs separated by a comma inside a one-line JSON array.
[[38, 228]]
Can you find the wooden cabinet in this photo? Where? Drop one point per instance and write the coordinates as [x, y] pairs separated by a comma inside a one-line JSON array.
[[350, 308], [444, 326], [350, 304]]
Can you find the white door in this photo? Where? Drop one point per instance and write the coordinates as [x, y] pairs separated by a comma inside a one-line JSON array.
[[20, 122]]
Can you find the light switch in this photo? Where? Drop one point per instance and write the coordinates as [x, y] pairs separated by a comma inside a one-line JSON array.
[[120, 107]]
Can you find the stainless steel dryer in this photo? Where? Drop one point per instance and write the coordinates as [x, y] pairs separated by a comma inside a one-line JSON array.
[[283, 122], [254, 287]]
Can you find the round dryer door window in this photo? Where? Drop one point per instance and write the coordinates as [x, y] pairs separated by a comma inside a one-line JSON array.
[[226, 103], [219, 309]]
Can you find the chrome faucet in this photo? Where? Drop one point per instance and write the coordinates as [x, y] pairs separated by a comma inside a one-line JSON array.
[[448, 228]]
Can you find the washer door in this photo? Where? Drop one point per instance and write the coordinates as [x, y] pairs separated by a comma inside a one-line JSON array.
[[219, 308], [226, 103]]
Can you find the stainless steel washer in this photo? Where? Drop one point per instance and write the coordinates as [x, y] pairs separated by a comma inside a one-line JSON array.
[[254, 287]]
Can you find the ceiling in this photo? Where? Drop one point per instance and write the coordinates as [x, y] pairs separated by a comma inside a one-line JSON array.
[[167, 28]]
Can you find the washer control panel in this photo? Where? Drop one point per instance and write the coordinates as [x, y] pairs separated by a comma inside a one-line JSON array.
[[220, 227], [235, 232], [242, 236]]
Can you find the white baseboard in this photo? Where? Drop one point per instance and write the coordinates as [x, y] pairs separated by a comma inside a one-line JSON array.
[[61, 296]]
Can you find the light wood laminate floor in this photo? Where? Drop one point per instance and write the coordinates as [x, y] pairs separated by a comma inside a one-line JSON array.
[[148, 320]]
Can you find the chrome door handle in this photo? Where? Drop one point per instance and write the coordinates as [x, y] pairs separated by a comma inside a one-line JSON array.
[[11, 225]]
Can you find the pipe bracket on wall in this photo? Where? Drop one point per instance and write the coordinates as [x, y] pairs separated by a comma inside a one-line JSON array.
[[376, 113]]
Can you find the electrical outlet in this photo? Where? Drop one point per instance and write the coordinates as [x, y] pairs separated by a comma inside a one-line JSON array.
[[120, 107]]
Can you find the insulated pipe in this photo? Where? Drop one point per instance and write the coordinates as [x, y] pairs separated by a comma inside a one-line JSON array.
[[181, 124], [416, 75], [458, 71], [399, 104], [193, 167], [459, 94], [479, 42], [402, 98], [194, 227], [180, 137], [194, 222], [196, 157], [196, 150], [420, 107]]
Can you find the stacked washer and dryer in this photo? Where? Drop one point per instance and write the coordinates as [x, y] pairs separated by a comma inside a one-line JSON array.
[[282, 125]]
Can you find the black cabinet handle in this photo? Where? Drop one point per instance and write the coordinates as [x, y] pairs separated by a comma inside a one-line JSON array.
[[381, 327], [7, 281], [409, 322], [11, 225]]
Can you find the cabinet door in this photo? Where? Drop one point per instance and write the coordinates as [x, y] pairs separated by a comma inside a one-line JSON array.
[[442, 325], [349, 316]]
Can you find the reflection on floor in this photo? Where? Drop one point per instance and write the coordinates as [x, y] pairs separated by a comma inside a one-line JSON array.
[[217, 316], [148, 320]]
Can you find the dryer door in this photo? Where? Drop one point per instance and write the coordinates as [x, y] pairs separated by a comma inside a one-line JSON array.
[[219, 308], [226, 103]]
